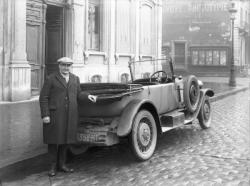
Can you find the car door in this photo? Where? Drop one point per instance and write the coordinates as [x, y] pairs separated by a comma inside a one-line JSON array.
[[155, 94], [169, 98]]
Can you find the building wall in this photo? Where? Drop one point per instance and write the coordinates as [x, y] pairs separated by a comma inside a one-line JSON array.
[[23, 59], [129, 30], [242, 33], [20, 131], [204, 24]]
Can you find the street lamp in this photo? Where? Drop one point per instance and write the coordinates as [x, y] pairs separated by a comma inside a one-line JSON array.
[[232, 10]]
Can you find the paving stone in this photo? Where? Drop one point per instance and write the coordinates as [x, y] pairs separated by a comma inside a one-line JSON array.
[[185, 156]]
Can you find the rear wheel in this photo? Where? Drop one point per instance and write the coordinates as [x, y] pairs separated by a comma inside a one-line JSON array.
[[204, 115], [143, 137]]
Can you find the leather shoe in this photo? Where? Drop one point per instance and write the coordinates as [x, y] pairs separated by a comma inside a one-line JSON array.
[[64, 168], [52, 171]]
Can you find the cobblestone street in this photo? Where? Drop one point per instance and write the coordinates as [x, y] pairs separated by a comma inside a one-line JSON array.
[[184, 156]]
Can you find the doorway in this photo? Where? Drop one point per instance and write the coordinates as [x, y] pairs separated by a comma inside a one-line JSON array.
[[54, 38], [179, 54]]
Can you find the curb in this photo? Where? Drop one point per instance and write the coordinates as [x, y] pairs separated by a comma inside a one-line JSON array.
[[227, 93]]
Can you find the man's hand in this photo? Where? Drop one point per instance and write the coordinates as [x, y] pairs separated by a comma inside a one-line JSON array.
[[92, 98], [46, 119]]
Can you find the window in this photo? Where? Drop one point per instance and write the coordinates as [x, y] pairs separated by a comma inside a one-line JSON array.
[[216, 57], [195, 57], [96, 79], [223, 58], [94, 25], [202, 57], [209, 57], [124, 78]]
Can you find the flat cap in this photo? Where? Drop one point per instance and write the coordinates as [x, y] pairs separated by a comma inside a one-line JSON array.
[[65, 60]]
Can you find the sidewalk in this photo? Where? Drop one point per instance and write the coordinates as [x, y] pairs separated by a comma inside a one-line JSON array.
[[40, 163], [221, 87]]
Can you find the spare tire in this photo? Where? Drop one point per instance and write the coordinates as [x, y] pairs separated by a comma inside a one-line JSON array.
[[191, 93]]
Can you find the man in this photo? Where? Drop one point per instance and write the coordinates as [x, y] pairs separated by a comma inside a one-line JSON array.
[[59, 111]]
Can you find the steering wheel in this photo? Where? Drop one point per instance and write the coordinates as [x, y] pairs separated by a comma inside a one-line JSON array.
[[157, 76]]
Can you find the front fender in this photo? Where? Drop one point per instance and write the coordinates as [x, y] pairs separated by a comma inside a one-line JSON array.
[[127, 117]]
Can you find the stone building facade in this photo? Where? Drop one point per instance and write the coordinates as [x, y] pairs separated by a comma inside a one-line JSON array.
[[197, 34], [101, 36]]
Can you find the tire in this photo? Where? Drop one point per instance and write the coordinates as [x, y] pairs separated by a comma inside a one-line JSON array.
[[78, 149], [204, 115], [143, 137], [191, 93]]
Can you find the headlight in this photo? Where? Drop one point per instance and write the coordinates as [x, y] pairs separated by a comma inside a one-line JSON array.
[[200, 83]]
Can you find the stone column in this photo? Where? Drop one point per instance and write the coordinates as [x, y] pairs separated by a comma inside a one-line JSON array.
[[159, 33], [108, 36], [20, 82], [77, 24], [1, 48]]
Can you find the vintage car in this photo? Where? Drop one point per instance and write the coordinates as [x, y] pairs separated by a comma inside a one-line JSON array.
[[141, 110]]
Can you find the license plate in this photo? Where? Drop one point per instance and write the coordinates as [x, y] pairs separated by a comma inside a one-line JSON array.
[[83, 137]]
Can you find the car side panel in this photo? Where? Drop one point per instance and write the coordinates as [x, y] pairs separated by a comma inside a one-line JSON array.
[[169, 98], [155, 94]]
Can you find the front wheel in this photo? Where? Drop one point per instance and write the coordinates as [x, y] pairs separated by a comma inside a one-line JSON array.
[[204, 115], [143, 137]]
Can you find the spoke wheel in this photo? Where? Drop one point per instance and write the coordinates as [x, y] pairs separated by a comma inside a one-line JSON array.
[[204, 116], [143, 136]]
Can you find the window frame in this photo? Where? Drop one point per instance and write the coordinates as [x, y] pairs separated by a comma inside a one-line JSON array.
[[89, 36], [208, 54]]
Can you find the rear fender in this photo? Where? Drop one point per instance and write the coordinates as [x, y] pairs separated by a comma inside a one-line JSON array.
[[208, 92], [204, 93], [127, 117]]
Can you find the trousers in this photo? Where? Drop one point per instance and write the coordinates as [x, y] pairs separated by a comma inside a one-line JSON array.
[[57, 154]]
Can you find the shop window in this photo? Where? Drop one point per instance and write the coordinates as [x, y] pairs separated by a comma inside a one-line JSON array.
[[96, 79], [195, 58], [124, 78], [223, 58], [94, 25], [201, 57], [209, 57], [216, 57]]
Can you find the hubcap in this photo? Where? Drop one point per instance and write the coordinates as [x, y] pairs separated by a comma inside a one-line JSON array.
[[206, 109], [144, 134], [193, 94]]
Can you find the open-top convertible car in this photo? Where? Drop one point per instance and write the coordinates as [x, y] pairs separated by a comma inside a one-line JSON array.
[[141, 110]]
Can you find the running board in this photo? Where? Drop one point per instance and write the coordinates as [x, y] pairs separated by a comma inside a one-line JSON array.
[[165, 129], [172, 119]]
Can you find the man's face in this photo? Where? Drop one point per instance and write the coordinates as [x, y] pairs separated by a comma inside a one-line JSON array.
[[64, 68]]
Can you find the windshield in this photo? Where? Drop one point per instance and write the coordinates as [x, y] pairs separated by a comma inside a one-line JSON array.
[[145, 68]]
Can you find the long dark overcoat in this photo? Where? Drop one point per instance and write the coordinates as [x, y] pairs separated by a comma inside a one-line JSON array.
[[58, 100]]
